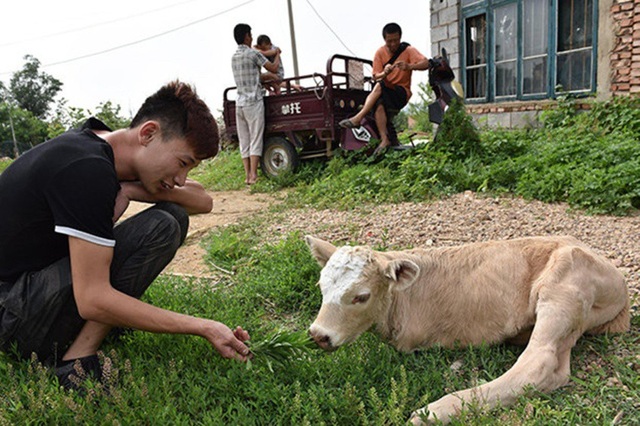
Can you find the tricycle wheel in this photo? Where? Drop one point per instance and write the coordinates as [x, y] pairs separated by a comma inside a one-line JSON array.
[[278, 157]]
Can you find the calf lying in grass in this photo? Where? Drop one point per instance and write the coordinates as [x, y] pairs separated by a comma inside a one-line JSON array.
[[544, 292]]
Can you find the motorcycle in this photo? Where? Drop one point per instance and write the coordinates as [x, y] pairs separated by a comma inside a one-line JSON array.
[[444, 85]]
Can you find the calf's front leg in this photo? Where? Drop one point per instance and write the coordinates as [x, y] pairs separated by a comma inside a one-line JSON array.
[[544, 364]]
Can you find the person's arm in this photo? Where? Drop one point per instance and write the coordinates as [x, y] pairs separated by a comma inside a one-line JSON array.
[[192, 196], [419, 66], [273, 66], [269, 52], [416, 61], [98, 301], [384, 73]]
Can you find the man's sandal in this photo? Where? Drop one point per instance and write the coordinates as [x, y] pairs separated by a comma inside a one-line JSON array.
[[348, 124]]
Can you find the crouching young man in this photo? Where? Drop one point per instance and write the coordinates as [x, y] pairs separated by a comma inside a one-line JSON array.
[[67, 275]]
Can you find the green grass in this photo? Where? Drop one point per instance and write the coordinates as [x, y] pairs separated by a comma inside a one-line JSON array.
[[222, 173], [167, 379], [4, 163]]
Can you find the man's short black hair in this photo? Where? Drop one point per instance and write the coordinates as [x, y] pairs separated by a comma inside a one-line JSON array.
[[391, 28], [240, 31]]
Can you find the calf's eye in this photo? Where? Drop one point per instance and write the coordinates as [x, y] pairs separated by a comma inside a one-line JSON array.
[[361, 298]]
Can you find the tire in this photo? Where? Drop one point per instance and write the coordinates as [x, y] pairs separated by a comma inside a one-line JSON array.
[[278, 157]]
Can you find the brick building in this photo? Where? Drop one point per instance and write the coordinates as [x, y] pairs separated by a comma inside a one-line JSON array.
[[514, 57]]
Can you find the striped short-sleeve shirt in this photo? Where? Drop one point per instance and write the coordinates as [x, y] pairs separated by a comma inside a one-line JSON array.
[[246, 64]]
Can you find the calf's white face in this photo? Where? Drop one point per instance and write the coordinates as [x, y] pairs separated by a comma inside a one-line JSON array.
[[355, 285], [346, 300]]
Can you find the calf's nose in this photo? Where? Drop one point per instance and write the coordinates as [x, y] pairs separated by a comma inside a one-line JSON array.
[[321, 339]]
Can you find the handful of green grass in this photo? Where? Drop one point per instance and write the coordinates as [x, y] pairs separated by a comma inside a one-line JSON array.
[[281, 348]]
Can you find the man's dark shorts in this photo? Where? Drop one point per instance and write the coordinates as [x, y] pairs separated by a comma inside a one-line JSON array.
[[393, 99], [38, 312]]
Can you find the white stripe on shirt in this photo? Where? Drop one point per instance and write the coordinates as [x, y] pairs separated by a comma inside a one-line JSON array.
[[85, 236]]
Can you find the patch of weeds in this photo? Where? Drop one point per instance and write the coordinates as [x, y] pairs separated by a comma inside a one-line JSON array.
[[281, 348], [4, 163], [224, 172], [230, 246]]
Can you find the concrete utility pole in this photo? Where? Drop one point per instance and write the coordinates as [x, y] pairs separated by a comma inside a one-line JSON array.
[[293, 43], [8, 99], [16, 152]]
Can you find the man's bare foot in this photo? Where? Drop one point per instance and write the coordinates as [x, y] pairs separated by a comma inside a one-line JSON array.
[[381, 148]]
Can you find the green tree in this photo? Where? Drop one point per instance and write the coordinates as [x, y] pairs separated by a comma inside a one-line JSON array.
[[110, 114], [419, 110], [69, 117], [33, 90], [28, 129]]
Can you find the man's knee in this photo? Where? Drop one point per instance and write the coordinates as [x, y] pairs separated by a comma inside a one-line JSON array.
[[163, 225], [179, 214]]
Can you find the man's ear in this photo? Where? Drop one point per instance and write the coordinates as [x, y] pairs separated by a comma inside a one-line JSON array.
[[401, 273], [320, 249], [147, 131]]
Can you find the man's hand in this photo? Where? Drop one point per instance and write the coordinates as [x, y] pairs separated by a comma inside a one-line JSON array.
[[121, 205], [229, 344], [404, 66]]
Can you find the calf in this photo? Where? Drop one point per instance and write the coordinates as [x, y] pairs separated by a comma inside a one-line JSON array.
[[544, 292]]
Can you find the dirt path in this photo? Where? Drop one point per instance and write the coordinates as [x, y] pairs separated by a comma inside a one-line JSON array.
[[228, 208]]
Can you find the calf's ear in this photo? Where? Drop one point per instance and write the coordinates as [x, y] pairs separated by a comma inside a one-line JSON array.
[[320, 249], [402, 273]]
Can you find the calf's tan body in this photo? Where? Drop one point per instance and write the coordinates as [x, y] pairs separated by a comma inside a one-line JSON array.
[[544, 292]]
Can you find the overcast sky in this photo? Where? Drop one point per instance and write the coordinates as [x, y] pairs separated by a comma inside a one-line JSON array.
[[123, 51]]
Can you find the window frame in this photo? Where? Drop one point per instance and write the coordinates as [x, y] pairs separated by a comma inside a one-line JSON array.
[[487, 8]]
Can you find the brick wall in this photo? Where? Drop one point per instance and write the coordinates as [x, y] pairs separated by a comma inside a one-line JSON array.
[[625, 57], [445, 29], [514, 114]]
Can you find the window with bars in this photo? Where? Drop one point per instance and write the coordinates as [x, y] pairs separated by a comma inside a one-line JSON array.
[[528, 49]]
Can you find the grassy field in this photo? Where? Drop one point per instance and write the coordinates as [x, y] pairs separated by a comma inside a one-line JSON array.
[[163, 379]]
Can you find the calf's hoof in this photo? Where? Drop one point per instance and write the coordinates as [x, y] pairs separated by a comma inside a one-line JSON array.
[[418, 416]]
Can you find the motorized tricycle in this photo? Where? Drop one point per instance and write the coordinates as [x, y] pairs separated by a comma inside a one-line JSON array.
[[302, 124]]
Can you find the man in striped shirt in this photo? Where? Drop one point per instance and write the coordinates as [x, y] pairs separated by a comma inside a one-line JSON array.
[[247, 64]]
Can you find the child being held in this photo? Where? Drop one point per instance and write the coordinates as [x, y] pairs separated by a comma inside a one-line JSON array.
[[272, 81]]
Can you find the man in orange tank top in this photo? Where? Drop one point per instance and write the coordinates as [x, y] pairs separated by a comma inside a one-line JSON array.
[[393, 64]]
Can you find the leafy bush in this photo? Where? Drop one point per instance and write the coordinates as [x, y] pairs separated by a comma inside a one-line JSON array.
[[596, 171], [457, 134], [4, 163], [618, 114], [419, 110]]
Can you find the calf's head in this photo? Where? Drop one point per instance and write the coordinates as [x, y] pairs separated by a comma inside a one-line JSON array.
[[356, 285]]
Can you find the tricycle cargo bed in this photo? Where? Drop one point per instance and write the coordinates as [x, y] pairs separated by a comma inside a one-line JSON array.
[[302, 111], [308, 119]]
